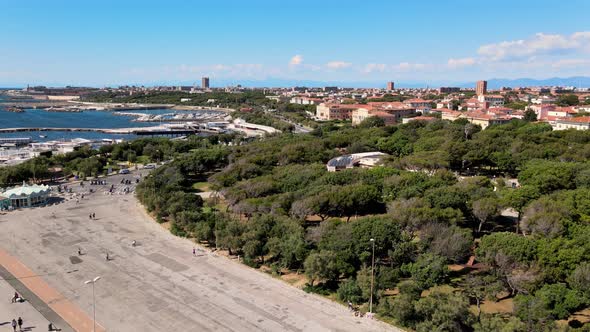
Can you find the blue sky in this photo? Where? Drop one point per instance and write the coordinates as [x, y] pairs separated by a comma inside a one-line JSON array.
[[117, 42]]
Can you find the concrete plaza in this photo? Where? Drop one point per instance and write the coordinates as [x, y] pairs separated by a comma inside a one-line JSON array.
[[158, 284]]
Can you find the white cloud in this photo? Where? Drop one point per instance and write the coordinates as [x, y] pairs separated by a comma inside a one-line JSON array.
[[221, 67], [338, 64], [461, 62], [538, 45], [570, 63], [296, 60], [405, 66], [374, 67]]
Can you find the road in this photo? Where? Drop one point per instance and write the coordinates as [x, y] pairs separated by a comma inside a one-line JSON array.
[[157, 285]]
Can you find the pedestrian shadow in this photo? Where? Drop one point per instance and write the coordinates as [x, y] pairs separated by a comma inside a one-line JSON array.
[[4, 323], [28, 328]]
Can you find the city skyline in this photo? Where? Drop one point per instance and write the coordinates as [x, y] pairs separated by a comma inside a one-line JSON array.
[[229, 41]]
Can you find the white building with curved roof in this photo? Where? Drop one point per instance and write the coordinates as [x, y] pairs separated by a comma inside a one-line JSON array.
[[26, 195], [363, 160]]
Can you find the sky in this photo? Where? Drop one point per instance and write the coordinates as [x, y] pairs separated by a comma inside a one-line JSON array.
[[108, 42]]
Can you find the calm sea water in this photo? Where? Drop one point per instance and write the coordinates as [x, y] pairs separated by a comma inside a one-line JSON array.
[[86, 119]]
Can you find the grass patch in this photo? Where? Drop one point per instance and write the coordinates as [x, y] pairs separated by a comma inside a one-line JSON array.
[[201, 186]]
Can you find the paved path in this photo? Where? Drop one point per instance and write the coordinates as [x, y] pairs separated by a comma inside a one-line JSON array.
[[32, 319], [157, 285], [45, 298]]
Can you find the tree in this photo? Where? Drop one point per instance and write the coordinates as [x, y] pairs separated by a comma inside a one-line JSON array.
[[451, 242], [428, 270], [579, 279], [413, 214], [484, 210], [567, 100], [533, 312], [350, 291], [363, 280], [321, 265], [228, 234], [403, 305], [495, 323], [372, 122], [559, 300], [131, 157], [530, 116], [480, 287], [443, 312], [355, 199], [519, 198], [287, 243], [548, 176], [511, 257], [403, 310], [516, 248], [545, 217]]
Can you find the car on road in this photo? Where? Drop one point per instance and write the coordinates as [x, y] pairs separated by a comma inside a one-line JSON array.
[[124, 171], [149, 166]]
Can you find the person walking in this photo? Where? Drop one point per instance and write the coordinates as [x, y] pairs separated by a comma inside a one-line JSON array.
[[93, 215], [194, 252], [14, 325], [15, 298], [20, 324]]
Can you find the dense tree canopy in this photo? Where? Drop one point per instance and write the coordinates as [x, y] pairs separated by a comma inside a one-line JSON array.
[[514, 199]]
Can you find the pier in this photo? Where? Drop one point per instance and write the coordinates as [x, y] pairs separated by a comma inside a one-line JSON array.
[[140, 131]]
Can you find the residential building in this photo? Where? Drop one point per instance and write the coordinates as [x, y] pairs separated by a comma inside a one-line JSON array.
[[544, 100], [481, 87], [360, 114], [578, 123], [448, 89], [390, 112], [491, 100], [332, 111], [421, 105], [480, 117], [205, 83]]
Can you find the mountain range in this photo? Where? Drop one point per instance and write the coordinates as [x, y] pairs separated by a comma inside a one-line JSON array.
[[494, 83]]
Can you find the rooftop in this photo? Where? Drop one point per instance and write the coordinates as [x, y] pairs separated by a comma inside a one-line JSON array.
[[26, 190]]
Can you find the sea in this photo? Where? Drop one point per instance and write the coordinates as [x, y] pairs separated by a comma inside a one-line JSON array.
[[87, 119]]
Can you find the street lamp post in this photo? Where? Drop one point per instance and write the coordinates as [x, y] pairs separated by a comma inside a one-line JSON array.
[[93, 281], [372, 277]]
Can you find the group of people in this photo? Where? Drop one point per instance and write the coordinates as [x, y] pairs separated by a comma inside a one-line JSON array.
[[126, 181], [98, 182], [357, 313], [64, 188], [92, 216], [18, 322]]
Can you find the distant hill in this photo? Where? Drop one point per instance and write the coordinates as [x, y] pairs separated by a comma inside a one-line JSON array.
[[496, 83]]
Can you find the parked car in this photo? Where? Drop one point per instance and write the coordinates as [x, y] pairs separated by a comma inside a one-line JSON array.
[[124, 171], [149, 166]]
